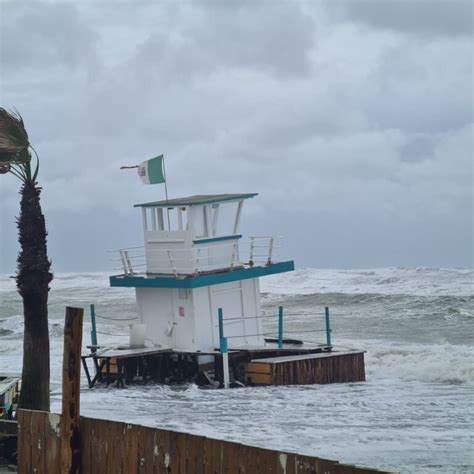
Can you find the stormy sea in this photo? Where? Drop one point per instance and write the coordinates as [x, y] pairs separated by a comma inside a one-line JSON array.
[[413, 414]]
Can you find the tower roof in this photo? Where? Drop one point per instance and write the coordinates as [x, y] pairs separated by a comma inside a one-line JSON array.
[[197, 199]]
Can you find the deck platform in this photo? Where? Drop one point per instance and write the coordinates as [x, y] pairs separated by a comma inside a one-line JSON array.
[[319, 368], [110, 363], [290, 365]]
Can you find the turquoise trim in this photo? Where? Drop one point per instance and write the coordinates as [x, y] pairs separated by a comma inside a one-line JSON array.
[[135, 281], [94, 329], [217, 239], [199, 199]]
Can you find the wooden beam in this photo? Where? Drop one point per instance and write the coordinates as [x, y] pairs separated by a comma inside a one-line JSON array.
[[70, 436], [256, 367]]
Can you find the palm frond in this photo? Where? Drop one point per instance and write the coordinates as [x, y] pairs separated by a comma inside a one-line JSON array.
[[4, 167], [14, 141]]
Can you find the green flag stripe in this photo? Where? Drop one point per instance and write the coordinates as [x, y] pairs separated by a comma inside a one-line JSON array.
[[155, 170]]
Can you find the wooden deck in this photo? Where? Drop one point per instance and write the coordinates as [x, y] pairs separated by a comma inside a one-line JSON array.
[[125, 365], [268, 365], [322, 368]]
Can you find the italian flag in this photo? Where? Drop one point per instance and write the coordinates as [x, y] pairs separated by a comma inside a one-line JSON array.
[[151, 171]]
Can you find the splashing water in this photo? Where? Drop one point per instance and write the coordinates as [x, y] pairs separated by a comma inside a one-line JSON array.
[[414, 413]]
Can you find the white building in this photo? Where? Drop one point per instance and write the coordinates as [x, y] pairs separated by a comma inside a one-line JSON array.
[[192, 264]]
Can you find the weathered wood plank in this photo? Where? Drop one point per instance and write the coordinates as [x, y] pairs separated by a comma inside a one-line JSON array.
[[249, 462], [307, 465], [94, 448], [102, 438], [24, 441], [113, 464], [70, 443], [213, 456], [121, 434], [286, 463], [345, 469], [119, 448], [268, 460], [257, 368], [131, 464], [146, 445], [311, 369], [52, 435], [85, 426], [113, 367], [230, 457], [326, 465], [195, 458], [178, 452], [163, 442], [38, 453]]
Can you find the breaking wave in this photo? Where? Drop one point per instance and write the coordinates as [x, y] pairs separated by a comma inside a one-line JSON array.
[[385, 281], [443, 363]]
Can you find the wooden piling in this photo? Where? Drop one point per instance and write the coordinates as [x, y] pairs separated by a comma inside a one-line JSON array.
[[70, 434]]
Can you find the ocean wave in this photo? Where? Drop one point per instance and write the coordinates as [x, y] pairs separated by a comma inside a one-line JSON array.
[[387, 281], [434, 363], [12, 326], [391, 281]]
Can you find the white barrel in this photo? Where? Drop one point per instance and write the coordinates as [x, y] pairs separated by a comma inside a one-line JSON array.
[[137, 335]]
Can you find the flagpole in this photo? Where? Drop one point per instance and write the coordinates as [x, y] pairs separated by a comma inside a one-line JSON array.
[[164, 175], [166, 192]]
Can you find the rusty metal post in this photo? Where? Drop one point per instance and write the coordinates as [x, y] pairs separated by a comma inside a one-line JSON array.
[[70, 437]]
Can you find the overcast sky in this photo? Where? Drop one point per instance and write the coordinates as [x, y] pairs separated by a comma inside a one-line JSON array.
[[353, 120]]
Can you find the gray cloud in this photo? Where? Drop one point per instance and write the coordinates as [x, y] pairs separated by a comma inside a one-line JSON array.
[[273, 38], [359, 141], [417, 149], [417, 17], [246, 36], [44, 36]]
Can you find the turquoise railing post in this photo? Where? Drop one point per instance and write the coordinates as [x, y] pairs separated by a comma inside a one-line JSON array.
[[223, 349], [220, 315], [280, 327], [223, 345], [328, 326], [94, 329]]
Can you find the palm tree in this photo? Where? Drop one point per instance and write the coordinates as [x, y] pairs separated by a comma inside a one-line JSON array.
[[33, 275]]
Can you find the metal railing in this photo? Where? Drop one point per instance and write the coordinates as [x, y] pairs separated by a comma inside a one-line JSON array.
[[198, 258], [256, 246], [279, 334], [223, 338]]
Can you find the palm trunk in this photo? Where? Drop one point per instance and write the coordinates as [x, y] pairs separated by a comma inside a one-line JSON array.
[[32, 280]]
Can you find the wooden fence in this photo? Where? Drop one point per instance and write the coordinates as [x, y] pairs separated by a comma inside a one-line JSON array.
[[113, 447]]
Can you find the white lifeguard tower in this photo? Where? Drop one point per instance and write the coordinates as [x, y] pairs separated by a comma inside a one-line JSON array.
[[198, 296], [193, 262]]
